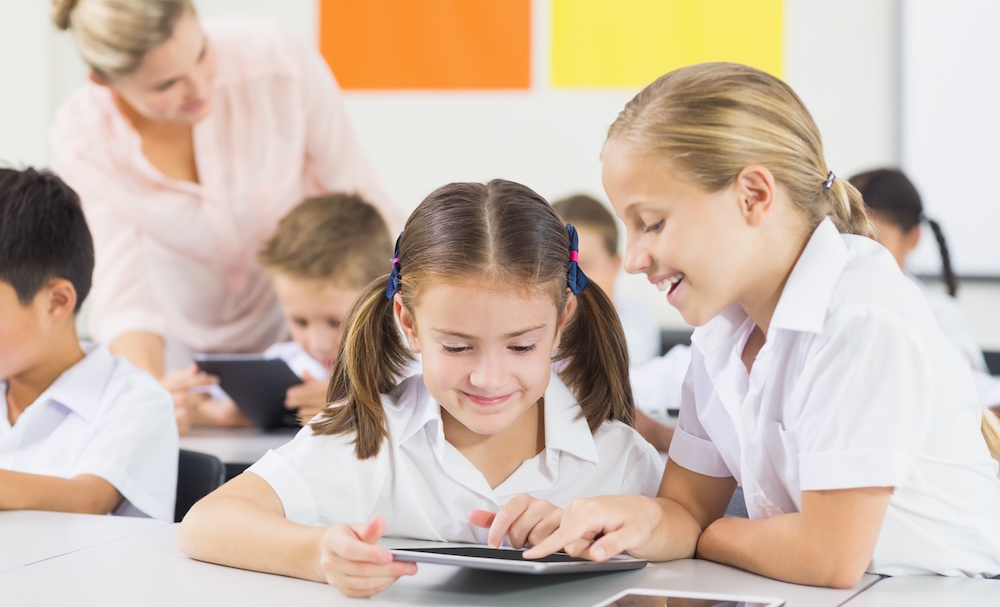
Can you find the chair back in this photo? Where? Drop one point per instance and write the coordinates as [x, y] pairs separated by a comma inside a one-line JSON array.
[[198, 474]]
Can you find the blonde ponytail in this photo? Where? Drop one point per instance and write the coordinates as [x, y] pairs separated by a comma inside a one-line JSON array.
[[61, 10], [850, 214]]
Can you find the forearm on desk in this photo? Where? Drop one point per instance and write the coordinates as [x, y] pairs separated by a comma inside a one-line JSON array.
[[830, 543], [86, 494], [142, 349], [247, 531]]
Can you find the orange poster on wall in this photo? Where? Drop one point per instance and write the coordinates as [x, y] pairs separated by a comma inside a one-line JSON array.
[[427, 44]]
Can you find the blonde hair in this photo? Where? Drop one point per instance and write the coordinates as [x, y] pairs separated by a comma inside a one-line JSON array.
[[991, 432], [713, 119], [114, 35], [336, 237], [499, 233]]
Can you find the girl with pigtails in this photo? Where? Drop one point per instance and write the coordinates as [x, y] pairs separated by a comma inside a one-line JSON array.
[[522, 404]]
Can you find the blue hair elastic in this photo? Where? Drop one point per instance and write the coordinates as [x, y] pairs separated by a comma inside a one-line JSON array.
[[575, 277], [393, 287]]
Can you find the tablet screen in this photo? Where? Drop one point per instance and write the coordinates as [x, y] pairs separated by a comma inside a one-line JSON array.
[[637, 597], [497, 553]]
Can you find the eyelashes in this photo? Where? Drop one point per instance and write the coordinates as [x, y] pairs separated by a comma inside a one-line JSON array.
[[462, 349]]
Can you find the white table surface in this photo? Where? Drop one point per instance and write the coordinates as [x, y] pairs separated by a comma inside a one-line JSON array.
[[148, 569], [929, 591], [28, 536], [235, 445]]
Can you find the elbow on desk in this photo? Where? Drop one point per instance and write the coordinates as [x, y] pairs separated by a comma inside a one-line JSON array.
[[840, 573], [189, 534]]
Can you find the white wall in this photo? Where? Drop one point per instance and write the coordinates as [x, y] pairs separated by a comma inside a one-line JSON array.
[[841, 57]]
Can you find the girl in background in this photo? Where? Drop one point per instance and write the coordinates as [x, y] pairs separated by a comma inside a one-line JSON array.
[[486, 288], [898, 213]]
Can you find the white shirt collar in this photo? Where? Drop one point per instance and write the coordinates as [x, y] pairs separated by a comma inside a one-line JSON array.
[[566, 429], [806, 297], [80, 387]]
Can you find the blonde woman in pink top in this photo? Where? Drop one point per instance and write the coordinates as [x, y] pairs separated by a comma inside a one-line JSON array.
[[187, 146]]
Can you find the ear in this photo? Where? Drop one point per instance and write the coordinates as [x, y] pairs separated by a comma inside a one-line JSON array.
[[58, 300], [406, 321], [756, 189], [618, 263], [910, 240], [564, 316]]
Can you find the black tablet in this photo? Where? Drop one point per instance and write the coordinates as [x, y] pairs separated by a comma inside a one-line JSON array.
[[511, 560], [256, 384]]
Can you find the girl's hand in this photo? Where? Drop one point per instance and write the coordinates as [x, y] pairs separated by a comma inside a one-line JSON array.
[[352, 562], [524, 520], [309, 398], [600, 527]]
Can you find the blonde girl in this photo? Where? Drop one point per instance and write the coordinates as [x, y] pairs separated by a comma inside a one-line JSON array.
[[819, 380], [490, 441]]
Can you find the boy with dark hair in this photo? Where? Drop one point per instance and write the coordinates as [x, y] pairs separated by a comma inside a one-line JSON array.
[[83, 431]]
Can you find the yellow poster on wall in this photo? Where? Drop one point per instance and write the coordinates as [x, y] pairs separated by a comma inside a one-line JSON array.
[[628, 43]]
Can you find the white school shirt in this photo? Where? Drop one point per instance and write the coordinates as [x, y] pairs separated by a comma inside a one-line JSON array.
[[642, 332], [854, 387], [425, 488], [656, 384], [103, 417]]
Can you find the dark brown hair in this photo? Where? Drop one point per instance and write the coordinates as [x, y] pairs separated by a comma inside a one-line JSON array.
[[586, 211], [335, 237], [501, 233], [890, 194]]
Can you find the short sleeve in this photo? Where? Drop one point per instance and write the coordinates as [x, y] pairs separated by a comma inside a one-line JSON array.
[[134, 443], [645, 472], [691, 447], [866, 398], [320, 481]]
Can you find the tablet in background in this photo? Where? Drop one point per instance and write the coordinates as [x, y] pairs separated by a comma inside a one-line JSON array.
[[256, 384], [649, 597], [511, 560]]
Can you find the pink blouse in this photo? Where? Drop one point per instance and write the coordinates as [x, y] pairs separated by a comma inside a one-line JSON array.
[[178, 258]]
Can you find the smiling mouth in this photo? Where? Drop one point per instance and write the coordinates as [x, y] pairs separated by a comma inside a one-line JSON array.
[[485, 401], [670, 283]]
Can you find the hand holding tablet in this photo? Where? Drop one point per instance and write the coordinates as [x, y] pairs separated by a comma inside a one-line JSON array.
[[256, 384]]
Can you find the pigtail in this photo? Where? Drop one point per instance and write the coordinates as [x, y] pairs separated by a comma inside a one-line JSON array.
[[371, 360], [596, 371], [991, 432], [849, 211], [950, 280]]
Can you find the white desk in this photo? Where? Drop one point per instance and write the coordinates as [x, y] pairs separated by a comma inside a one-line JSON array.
[[148, 569], [28, 536], [929, 591], [235, 445]]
